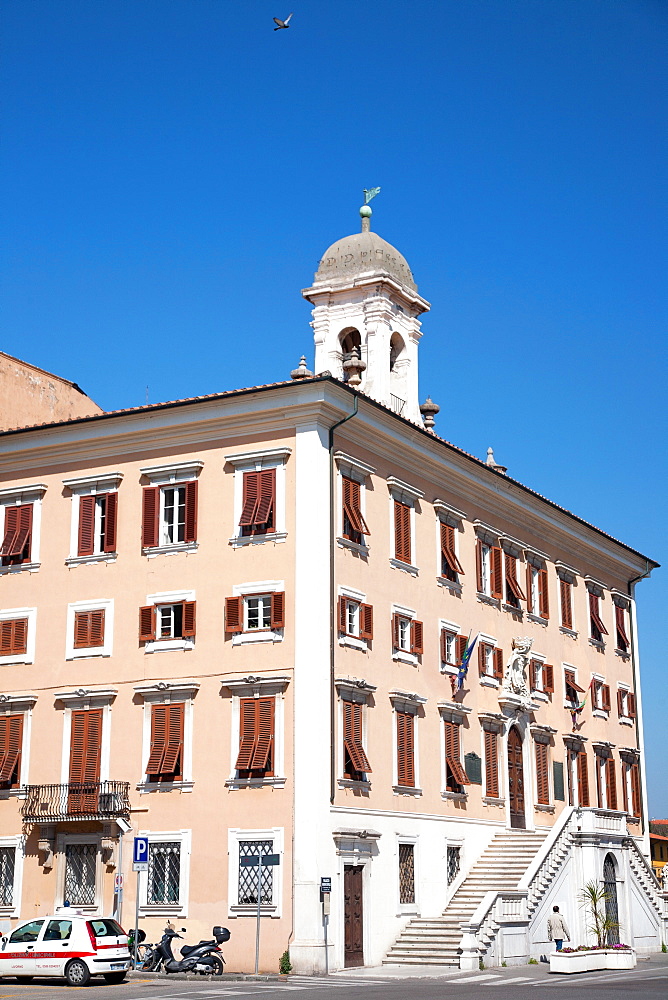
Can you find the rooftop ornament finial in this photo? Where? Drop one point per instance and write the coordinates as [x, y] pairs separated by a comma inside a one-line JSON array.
[[365, 211], [492, 463], [429, 409], [301, 371], [353, 368]]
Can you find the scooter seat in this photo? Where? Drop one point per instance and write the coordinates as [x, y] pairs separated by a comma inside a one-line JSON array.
[[189, 948]]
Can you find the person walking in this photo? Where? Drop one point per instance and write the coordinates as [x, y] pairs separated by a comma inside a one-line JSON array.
[[557, 929]]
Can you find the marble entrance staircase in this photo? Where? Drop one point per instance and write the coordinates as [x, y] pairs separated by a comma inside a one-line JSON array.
[[500, 866]]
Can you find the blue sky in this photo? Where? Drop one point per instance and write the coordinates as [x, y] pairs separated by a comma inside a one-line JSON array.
[[171, 171]]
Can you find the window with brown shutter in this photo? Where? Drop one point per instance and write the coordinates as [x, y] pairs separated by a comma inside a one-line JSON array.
[[455, 775], [583, 779], [479, 572], [572, 687], [355, 761], [496, 575], [355, 619], [462, 643], [483, 652], [498, 664], [634, 773], [548, 678], [623, 643], [451, 567], [167, 621], [417, 637], [169, 514], [537, 597], [14, 637], [258, 511], [542, 777], [566, 596], [233, 615], [89, 628], [605, 697], [598, 629], [85, 754], [610, 784], [534, 674], [165, 762], [354, 525], [631, 705], [491, 765], [98, 516], [11, 741], [402, 531], [256, 738], [16, 543], [402, 633], [150, 516], [448, 647], [405, 750], [514, 593]]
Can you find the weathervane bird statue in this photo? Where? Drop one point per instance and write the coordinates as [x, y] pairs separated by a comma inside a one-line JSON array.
[[282, 24]]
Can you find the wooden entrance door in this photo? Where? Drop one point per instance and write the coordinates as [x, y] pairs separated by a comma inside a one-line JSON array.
[[353, 916], [516, 780]]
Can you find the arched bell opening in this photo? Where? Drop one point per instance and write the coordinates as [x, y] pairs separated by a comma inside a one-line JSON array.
[[349, 339]]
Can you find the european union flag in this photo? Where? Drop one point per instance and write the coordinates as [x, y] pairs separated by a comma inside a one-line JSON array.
[[464, 666]]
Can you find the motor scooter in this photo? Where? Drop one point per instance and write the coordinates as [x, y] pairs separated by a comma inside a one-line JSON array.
[[205, 958]]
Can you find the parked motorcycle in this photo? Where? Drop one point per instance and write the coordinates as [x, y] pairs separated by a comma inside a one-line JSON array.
[[205, 958]]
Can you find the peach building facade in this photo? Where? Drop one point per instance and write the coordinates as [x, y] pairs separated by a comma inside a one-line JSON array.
[[30, 395], [237, 623]]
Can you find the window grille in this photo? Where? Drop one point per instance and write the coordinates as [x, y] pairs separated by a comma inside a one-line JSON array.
[[7, 868], [248, 876], [454, 861], [80, 862], [406, 873], [164, 872]]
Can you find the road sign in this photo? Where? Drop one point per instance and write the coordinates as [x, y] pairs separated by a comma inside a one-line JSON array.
[[251, 860], [118, 883], [140, 854], [325, 884]]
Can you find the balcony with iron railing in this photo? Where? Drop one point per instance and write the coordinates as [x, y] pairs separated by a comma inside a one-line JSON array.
[[101, 800]]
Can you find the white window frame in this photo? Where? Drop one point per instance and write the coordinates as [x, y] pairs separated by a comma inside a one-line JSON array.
[[625, 719], [8, 614], [108, 482], [408, 495], [269, 686], [15, 496], [234, 837], [259, 461], [597, 696], [20, 704], [512, 549], [539, 693], [358, 598], [168, 693], [488, 679], [404, 655], [84, 700], [448, 668], [358, 692], [18, 843], [176, 474], [450, 711], [105, 604], [62, 840], [405, 909], [360, 472], [180, 909], [447, 514], [543, 735], [257, 588], [595, 587], [568, 575], [495, 726], [167, 645], [564, 667], [402, 701]]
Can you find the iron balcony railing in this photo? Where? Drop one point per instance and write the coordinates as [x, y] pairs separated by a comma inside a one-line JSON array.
[[397, 404], [76, 801]]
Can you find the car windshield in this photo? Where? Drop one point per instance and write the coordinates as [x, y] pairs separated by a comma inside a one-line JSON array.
[[106, 928], [29, 932]]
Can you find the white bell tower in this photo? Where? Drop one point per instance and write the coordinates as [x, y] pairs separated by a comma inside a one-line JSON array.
[[366, 304]]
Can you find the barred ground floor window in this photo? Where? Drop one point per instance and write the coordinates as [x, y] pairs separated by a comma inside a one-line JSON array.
[[80, 866], [248, 875], [406, 873], [164, 872], [7, 873]]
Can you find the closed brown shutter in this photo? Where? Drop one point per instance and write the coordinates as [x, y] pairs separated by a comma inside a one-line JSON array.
[[542, 780], [343, 615], [18, 529], [530, 608], [189, 619], [498, 664], [595, 614], [448, 548], [461, 643], [352, 736], [480, 583], [150, 516], [625, 793], [86, 545], [190, 527], [14, 637], [511, 578], [620, 702], [610, 783], [11, 740], [417, 633], [352, 507], [395, 631], [566, 605], [278, 609], [599, 763], [631, 705], [622, 638], [452, 755], [635, 788], [402, 531], [233, 614], [543, 598], [147, 623], [110, 522], [583, 779], [247, 733], [366, 621], [256, 736], [86, 746], [166, 756], [482, 664], [605, 697], [533, 674], [497, 572], [405, 750], [491, 765], [548, 678], [88, 628]]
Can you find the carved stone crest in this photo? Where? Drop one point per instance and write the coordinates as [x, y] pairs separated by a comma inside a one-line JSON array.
[[515, 677]]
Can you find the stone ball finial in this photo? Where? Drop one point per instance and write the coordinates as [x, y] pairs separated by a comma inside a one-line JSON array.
[[354, 367], [429, 409], [301, 371], [366, 213]]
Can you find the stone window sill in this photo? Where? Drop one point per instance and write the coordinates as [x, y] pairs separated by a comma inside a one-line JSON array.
[[353, 642], [600, 713], [272, 536], [405, 657], [347, 543], [168, 645], [165, 786], [106, 557], [597, 644], [161, 909], [455, 796], [511, 609], [622, 654], [543, 807], [268, 635], [491, 801], [406, 790], [537, 620], [362, 786], [540, 696], [250, 910], [494, 602], [255, 783], [405, 567], [490, 682], [568, 631], [170, 550], [625, 721], [452, 585], [28, 567]]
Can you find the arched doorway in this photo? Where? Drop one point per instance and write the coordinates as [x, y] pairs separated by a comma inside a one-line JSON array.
[[611, 907], [516, 780]]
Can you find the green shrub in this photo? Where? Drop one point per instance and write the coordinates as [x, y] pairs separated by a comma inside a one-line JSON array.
[[285, 965], [663, 947], [533, 961], [481, 964], [504, 965]]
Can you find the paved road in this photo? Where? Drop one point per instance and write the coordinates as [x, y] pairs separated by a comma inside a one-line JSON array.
[[649, 981]]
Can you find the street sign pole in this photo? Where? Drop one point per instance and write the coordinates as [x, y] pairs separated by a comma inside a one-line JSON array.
[[136, 934], [139, 864], [259, 903]]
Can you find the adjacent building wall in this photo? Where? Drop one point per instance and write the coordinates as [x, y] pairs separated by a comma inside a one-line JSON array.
[[29, 395]]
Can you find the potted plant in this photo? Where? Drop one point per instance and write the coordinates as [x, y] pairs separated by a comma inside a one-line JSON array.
[[604, 954]]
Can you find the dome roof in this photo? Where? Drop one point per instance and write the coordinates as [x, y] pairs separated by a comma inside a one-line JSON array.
[[362, 253]]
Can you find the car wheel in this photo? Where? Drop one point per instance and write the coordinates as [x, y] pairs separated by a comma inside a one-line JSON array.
[[218, 966], [115, 977], [77, 973]]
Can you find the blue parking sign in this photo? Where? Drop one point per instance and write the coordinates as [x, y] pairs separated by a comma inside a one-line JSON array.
[[140, 852]]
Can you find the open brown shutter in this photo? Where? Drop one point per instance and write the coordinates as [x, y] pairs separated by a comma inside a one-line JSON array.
[[172, 761], [11, 530], [366, 621], [548, 678], [625, 792], [405, 761], [18, 529], [248, 733], [150, 515], [530, 607], [159, 726], [461, 643], [583, 779], [352, 736], [482, 664], [352, 508], [566, 607], [250, 499], [417, 637], [189, 619], [395, 631], [265, 734], [190, 527], [543, 598], [453, 753], [498, 664], [110, 522], [233, 615], [595, 614], [448, 548], [542, 780], [147, 623], [610, 783], [266, 500], [491, 765], [511, 578], [631, 705], [605, 697], [278, 609], [86, 545], [444, 645], [622, 638], [480, 583], [635, 788], [343, 615], [569, 676], [497, 572], [11, 739]]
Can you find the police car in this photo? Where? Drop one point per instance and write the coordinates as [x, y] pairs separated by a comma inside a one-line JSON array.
[[67, 944]]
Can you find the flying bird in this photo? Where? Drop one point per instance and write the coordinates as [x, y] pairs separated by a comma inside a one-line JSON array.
[[282, 24]]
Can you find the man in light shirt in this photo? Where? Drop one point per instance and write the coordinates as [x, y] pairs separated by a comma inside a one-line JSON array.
[[557, 929]]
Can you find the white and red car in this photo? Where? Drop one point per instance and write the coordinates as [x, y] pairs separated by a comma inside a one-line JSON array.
[[67, 944]]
